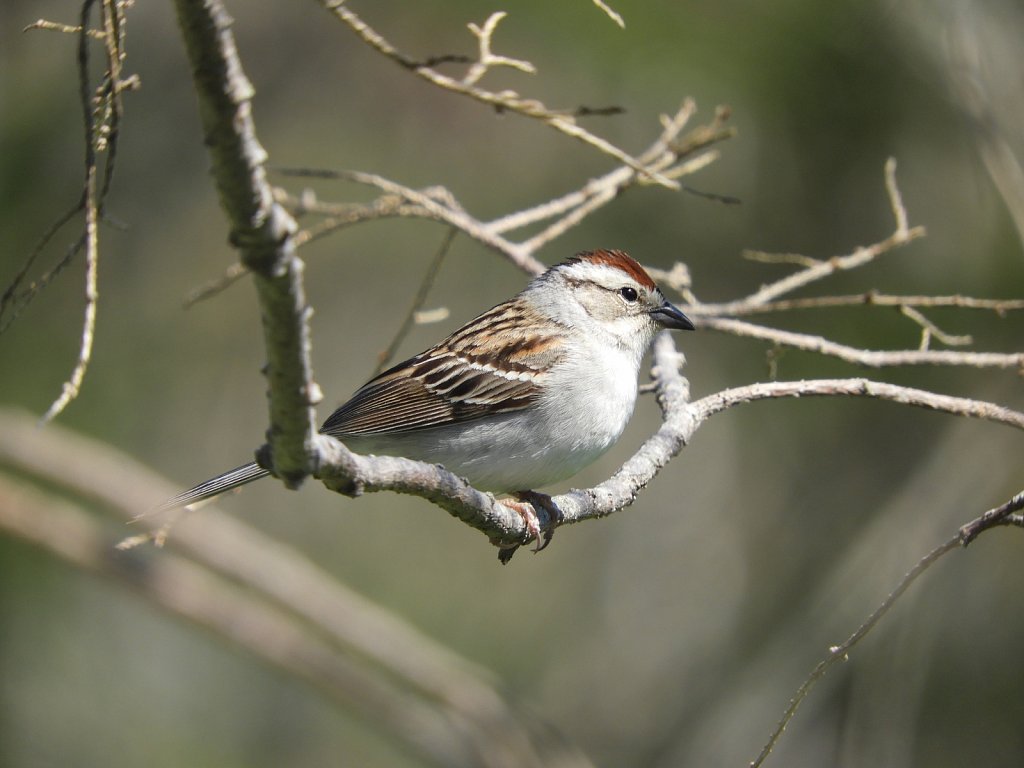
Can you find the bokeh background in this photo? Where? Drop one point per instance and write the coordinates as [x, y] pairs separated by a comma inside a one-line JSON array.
[[674, 632]]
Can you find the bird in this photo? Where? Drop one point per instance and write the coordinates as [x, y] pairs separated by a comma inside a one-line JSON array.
[[521, 397]]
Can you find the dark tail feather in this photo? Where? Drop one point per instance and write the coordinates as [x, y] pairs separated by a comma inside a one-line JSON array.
[[216, 485]]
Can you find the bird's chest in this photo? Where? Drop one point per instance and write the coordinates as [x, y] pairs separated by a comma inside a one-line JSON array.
[[592, 399]]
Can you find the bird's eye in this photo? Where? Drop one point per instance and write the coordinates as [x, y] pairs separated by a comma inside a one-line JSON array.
[[628, 293]]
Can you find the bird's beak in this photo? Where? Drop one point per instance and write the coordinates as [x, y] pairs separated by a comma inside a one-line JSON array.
[[669, 316]]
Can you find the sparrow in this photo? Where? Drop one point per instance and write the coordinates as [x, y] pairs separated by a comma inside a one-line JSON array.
[[521, 397]]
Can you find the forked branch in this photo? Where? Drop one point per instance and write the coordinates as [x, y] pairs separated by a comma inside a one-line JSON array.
[[102, 112], [674, 153], [769, 299], [505, 101]]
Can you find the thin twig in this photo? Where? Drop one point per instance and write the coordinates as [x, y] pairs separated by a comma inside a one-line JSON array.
[[211, 288], [869, 298], [338, 216], [613, 15], [815, 270], [1001, 515], [515, 253], [486, 59], [899, 211], [73, 385], [55, 26], [15, 301], [506, 101], [570, 209], [90, 204], [798, 259], [822, 269], [570, 220], [616, 180], [929, 329], [871, 358], [101, 119], [419, 299]]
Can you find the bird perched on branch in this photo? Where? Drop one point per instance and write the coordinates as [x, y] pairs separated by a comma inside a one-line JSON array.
[[525, 395]]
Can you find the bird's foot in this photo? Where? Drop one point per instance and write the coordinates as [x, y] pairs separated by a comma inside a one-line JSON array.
[[526, 504]]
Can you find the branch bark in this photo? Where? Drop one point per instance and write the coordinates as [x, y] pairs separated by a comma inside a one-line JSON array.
[[351, 474], [261, 229]]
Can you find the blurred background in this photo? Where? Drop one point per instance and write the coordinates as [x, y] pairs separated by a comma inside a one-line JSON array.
[[674, 632]]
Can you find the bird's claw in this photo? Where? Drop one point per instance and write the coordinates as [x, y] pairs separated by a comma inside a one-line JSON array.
[[526, 504]]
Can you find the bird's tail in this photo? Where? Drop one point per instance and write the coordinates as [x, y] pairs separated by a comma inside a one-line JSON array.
[[216, 485]]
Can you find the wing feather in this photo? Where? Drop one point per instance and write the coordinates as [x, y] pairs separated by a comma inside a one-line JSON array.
[[461, 379]]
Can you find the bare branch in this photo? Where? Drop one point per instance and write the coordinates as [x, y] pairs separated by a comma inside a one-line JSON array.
[[352, 474], [211, 288], [782, 258], [611, 13], [506, 101], [870, 298], [14, 300], [72, 386], [515, 253], [868, 357], [486, 59], [818, 270], [1001, 515], [260, 228], [422, 292], [101, 119], [610, 183], [56, 26], [815, 270], [899, 212], [439, 204], [929, 329], [765, 300], [337, 216], [957, 406]]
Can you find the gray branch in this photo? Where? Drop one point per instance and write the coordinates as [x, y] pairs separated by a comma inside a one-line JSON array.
[[348, 473], [260, 228]]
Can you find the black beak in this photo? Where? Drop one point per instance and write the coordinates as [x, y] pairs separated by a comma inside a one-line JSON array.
[[670, 317]]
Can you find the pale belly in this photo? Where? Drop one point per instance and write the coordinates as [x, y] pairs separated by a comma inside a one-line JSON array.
[[534, 447], [522, 451]]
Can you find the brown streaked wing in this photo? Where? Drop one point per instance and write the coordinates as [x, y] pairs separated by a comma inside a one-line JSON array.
[[387, 404], [436, 387], [404, 401]]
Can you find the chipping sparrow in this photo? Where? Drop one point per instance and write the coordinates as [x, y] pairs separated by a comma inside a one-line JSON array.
[[525, 395]]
